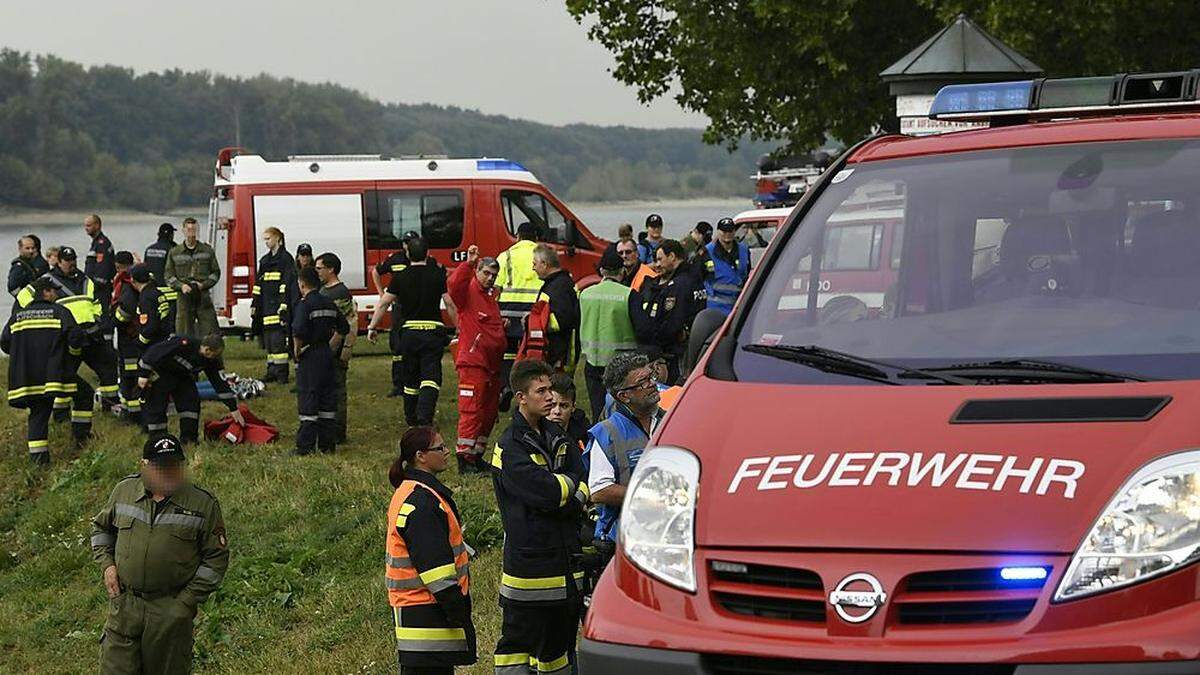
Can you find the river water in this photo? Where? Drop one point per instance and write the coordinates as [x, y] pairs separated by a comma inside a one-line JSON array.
[[134, 231]]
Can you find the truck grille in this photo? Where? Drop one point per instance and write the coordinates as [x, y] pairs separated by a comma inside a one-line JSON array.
[[747, 665], [972, 596], [767, 591]]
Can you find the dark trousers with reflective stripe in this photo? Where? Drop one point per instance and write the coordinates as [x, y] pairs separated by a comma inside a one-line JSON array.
[[129, 350], [275, 341], [81, 408], [102, 359], [38, 432], [316, 399], [422, 352], [182, 390], [397, 359], [543, 634]]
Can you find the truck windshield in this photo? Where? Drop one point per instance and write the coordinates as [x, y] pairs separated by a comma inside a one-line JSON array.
[[1086, 255]]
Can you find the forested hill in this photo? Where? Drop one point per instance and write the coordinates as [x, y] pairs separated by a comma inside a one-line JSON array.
[[76, 137]]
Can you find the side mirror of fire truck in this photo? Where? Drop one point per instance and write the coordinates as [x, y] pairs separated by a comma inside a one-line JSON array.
[[704, 327]]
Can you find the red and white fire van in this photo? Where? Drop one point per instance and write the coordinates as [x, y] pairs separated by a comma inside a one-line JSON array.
[[360, 206], [999, 474]]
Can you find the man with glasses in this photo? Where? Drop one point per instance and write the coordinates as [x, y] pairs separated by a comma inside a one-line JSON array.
[[160, 542], [616, 443], [634, 272]]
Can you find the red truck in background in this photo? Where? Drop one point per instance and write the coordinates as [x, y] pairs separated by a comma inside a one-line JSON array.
[[359, 207]]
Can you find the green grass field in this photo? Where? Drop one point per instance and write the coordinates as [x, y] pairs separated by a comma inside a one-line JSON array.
[[304, 591]]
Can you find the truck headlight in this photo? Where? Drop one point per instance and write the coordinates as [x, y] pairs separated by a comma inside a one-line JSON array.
[[1151, 527], [659, 513]]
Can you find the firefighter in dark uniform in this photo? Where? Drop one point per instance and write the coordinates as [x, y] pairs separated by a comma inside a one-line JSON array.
[[156, 253], [82, 297], [100, 266], [27, 266], [419, 291], [426, 571], [275, 294], [669, 303], [541, 492], [328, 267], [167, 372], [392, 265], [129, 348], [161, 544], [37, 339], [317, 320], [156, 312]]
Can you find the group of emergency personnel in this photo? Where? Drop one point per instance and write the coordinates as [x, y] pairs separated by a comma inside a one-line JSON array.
[[559, 480]]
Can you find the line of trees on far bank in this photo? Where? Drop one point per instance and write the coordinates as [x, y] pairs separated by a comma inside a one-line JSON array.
[[73, 137]]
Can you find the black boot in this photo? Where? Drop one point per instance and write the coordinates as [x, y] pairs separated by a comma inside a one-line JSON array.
[[39, 459]]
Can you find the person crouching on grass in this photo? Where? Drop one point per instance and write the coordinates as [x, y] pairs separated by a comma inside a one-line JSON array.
[[426, 573]]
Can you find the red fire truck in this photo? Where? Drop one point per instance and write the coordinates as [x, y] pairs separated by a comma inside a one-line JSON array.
[[997, 475], [359, 207]]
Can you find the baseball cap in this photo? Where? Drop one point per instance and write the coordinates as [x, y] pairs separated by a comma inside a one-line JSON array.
[[654, 220], [163, 448], [412, 234], [123, 258], [304, 249], [166, 228], [727, 225], [611, 260], [704, 227], [141, 273], [67, 253]]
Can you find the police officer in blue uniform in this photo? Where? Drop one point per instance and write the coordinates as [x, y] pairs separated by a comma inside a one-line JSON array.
[[728, 266]]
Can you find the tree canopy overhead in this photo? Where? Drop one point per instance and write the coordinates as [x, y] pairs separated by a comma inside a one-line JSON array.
[[794, 71]]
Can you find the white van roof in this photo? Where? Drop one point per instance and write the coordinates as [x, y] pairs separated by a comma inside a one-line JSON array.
[[250, 169], [762, 214]]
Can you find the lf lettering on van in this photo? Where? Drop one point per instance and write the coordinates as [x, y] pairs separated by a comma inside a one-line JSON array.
[[961, 471]]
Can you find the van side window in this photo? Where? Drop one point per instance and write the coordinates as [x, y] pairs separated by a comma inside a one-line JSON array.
[[520, 206], [436, 214]]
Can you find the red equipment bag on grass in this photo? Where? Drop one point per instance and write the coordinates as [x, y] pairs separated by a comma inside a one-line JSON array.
[[533, 344], [256, 432]]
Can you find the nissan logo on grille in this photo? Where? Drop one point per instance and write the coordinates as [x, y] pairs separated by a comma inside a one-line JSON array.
[[857, 597]]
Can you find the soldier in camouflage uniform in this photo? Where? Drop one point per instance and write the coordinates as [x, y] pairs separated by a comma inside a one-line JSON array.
[[192, 270]]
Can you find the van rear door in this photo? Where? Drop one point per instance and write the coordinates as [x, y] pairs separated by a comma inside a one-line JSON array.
[[329, 222], [220, 212]]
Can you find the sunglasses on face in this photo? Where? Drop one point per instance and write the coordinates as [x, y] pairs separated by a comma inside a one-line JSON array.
[[644, 383]]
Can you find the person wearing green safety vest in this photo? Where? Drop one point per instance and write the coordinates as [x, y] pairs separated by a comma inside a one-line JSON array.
[[519, 286], [606, 325]]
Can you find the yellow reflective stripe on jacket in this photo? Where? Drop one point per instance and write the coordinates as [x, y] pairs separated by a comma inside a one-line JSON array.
[[553, 666], [533, 584], [34, 324], [448, 571], [565, 487], [422, 325], [272, 320], [402, 518], [271, 276], [497, 459], [37, 390]]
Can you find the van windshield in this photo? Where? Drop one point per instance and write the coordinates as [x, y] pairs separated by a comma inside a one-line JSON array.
[[1086, 255]]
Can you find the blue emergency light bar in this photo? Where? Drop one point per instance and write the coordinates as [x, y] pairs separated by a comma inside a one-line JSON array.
[[498, 165], [1067, 97]]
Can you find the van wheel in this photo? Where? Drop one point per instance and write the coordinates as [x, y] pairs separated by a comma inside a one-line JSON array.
[[843, 309]]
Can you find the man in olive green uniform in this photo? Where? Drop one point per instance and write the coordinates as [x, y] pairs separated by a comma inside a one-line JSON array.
[[329, 266], [192, 270], [161, 543]]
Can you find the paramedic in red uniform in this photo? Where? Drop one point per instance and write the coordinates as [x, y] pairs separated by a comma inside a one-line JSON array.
[[481, 344]]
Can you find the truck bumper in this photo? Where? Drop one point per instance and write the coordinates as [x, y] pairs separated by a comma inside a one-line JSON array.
[[601, 658]]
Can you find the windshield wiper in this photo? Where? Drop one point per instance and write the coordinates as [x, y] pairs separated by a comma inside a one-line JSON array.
[[841, 363], [1033, 370]]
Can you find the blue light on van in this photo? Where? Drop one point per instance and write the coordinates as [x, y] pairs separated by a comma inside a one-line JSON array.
[[498, 165], [1024, 573], [991, 96]]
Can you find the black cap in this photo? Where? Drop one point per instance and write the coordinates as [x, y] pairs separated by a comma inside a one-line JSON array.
[[611, 260], [41, 284], [304, 249], [411, 234], [163, 448], [67, 253], [166, 229], [654, 220], [704, 227], [141, 273], [727, 225], [123, 258]]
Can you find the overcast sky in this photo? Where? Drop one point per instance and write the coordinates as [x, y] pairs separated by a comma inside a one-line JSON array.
[[521, 58]]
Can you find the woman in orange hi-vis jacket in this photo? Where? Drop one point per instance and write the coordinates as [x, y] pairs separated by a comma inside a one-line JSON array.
[[426, 574]]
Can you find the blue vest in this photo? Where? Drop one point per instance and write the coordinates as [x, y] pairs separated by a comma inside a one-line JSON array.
[[726, 281], [622, 440]]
